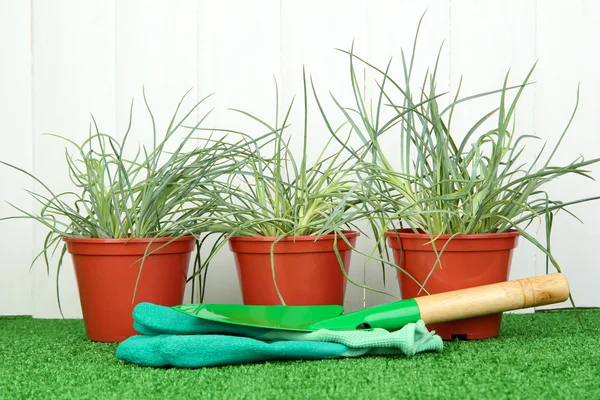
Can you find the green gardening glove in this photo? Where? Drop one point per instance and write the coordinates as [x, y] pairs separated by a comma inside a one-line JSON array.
[[171, 338]]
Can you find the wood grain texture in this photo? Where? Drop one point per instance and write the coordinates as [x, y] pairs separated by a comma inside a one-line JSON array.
[[495, 298], [73, 76], [568, 50], [391, 28], [311, 33], [238, 58], [156, 52], [16, 236], [483, 49], [65, 59]]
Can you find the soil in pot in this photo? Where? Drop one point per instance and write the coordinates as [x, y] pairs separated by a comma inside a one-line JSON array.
[[107, 272], [307, 270], [466, 261]]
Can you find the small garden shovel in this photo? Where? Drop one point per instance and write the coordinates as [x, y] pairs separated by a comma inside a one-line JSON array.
[[442, 307]]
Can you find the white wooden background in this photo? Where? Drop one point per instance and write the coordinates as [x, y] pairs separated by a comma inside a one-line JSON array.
[[63, 59]]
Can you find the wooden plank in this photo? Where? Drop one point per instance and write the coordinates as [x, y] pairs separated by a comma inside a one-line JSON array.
[[155, 51], [311, 32], [238, 56], [94, 57], [482, 51], [391, 28], [568, 48], [15, 104], [73, 75]]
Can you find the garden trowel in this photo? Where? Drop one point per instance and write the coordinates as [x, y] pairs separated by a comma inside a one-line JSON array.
[[441, 307]]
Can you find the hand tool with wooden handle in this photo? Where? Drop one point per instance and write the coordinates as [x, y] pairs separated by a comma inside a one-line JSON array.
[[441, 307]]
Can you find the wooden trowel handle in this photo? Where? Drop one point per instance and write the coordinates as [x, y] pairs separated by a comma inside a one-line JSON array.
[[494, 298]]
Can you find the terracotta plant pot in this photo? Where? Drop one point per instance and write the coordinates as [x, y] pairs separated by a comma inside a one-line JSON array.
[[107, 272], [467, 261], [307, 271]]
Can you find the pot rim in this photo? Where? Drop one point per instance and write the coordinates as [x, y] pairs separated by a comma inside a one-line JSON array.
[[162, 239], [407, 233], [348, 234]]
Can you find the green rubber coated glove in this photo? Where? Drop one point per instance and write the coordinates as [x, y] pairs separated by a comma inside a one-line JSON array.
[[170, 338]]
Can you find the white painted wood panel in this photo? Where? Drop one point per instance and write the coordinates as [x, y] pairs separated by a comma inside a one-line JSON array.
[[487, 40], [483, 50], [65, 59], [238, 57], [311, 32], [392, 26], [155, 51], [16, 236], [568, 49], [73, 75]]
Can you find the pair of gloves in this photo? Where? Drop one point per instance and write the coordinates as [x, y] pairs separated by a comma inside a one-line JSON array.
[[171, 338]]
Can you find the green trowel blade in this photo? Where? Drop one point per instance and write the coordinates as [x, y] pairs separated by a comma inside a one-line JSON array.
[[390, 316], [293, 318]]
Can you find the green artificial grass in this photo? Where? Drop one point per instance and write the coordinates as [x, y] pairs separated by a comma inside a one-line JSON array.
[[538, 356]]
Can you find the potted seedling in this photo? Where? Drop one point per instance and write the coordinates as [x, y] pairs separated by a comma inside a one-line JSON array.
[[289, 223], [454, 209], [130, 225]]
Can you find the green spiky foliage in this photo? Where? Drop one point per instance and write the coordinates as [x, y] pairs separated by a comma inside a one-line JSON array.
[[473, 182], [156, 192]]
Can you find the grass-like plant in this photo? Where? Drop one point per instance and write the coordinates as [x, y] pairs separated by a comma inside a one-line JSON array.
[[146, 196], [279, 194], [448, 183]]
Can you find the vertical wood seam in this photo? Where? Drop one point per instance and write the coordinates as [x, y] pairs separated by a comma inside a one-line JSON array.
[[449, 45], [32, 150], [115, 70]]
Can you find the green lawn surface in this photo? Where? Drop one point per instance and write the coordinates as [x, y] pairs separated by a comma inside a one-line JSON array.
[[545, 355]]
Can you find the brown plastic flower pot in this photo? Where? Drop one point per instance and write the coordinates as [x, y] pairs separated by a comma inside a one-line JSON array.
[[107, 271], [466, 261], [307, 270]]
